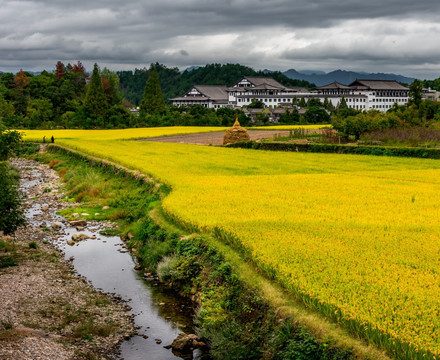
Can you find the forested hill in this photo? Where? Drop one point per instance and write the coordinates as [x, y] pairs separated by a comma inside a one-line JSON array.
[[175, 83]]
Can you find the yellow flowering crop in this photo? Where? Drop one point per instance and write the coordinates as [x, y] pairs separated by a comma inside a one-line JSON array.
[[357, 237]]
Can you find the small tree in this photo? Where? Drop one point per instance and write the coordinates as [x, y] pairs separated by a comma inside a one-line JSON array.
[[343, 104], [256, 104], [302, 102], [316, 115], [95, 98], [152, 101], [416, 93], [11, 215]]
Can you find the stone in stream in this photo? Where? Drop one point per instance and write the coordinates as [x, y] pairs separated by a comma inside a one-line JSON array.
[[80, 222], [80, 237], [186, 343], [56, 225]]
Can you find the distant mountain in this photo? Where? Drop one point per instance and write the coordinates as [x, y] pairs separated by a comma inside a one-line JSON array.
[[312, 72], [342, 76], [191, 68]]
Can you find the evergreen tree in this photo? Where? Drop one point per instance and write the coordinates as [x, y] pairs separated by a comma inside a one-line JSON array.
[[96, 101], [153, 101], [302, 103], [416, 93], [342, 104]]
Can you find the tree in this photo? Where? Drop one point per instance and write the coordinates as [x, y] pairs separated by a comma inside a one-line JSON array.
[[110, 84], [314, 102], [302, 102], [60, 70], [11, 215], [416, 93], [343, 104], [95, 98], [316, 115], [256, 104], [290, 117], [152, 101]]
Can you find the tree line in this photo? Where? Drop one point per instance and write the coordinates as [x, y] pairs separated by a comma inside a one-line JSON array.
[[175, 83], [67, 97]]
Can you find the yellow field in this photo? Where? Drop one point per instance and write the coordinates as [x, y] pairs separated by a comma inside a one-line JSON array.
[[356, 237]]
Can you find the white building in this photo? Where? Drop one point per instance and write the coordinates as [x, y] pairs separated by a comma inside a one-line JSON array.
[[361, 94], [366, 94], [264, 89], [209, 96]]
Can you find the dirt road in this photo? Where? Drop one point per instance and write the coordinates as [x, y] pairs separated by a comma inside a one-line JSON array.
[[214, 138]]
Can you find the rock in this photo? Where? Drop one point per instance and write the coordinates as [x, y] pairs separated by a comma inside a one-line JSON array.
[[79, 228], [130, 236], [106, 207], [44, 208], [56, 225], [80, 237], [158, 341], [186, 343], [97, 214], [84, 214], [7, 238], [81, 222], [75, 215], [70, 242], [138, 267]]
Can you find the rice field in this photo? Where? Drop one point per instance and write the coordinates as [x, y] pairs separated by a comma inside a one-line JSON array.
[[355, 237]]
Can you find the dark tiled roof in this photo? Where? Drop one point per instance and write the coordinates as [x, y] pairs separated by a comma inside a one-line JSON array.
[[212, 91], [257, 81], [209, 92], [333, 85], [377, 85]]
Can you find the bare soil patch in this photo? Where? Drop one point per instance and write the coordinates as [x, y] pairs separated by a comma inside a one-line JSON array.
[[214, 138]]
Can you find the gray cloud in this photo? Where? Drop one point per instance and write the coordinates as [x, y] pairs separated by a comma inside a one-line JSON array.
[[395, 35]]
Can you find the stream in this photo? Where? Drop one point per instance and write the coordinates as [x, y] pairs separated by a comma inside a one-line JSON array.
[[159, 313]]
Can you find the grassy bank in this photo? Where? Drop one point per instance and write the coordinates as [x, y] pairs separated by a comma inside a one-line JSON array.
[[241, 313], [415, 152]]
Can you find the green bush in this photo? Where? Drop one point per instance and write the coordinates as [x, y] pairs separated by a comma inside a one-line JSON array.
[[8, 260], [11, 215]]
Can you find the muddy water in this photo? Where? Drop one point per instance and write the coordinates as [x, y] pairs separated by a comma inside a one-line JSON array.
[[159, 313]]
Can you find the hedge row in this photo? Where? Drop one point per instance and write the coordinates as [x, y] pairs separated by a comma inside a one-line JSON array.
[[342, 149]]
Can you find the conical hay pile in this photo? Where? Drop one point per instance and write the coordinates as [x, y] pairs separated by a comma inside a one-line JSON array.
[[235, 134]]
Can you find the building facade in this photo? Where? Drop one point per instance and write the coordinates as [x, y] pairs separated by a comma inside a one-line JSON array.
[[209, 96], [365, 95]]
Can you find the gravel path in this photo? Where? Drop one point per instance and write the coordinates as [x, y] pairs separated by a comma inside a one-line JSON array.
[[44, 305]]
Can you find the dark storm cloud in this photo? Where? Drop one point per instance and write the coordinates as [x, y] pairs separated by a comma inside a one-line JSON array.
[[281, 34]]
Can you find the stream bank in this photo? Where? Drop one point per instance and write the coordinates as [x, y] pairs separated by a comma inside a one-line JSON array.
[[47, 311], [83, 300]]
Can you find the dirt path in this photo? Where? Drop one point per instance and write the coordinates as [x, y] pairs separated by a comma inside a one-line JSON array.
[[214, 138], [48, 312]]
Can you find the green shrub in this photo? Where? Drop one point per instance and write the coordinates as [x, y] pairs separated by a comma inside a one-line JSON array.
[[11, 215], [33, 245], [8, 260]]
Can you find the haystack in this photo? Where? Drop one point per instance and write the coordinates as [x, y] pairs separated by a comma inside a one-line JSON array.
[[235, 134]]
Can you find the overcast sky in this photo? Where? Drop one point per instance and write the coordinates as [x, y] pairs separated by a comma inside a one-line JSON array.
[[397, 36]]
